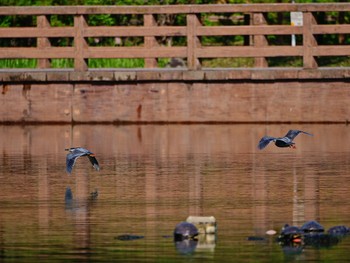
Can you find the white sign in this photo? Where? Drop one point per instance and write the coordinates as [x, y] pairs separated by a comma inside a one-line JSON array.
[[296, 18]]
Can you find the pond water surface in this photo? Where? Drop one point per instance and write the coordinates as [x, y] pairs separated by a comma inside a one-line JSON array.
[[155, 176]]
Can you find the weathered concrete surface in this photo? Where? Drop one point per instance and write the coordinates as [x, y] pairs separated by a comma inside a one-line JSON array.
[[170, 74], [191, 97], [36, 103]]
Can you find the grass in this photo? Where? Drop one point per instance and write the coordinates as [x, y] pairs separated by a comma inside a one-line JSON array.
[[18, 63], [343, 61], [116, 63], [92, 63], [69, 63], [228, 63]]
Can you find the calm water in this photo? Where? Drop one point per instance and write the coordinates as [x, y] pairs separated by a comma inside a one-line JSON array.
[[153, 177]]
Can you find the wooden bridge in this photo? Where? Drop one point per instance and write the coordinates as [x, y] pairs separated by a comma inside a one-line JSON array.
[[192, 92]]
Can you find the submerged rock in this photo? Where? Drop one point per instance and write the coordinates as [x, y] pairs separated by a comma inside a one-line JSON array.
[[186, 246], [128, 237], [255, 238], [290, 234], [312, 227], [339, 231], [312, 234], [185, 230]]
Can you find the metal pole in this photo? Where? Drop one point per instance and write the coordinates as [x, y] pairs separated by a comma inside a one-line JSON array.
[[293, 36]]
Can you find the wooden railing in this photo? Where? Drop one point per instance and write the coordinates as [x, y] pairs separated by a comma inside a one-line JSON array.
[[192, 52]]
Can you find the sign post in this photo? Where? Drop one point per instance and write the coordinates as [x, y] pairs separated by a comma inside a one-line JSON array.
[[296, 19]]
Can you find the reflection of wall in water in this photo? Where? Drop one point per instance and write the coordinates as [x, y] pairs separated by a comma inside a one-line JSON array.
[[296, 189], [163, 142]]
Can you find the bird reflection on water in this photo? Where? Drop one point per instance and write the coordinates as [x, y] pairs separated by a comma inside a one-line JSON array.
[[68, 198], [72, 204]]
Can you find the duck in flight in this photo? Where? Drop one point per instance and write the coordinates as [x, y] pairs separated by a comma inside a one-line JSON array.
[[75, 153], [286, 141]]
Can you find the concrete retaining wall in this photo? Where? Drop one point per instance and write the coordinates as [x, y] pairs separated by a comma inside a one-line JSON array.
[[191, 100]]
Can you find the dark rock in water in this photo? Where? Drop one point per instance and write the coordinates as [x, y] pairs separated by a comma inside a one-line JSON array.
[[290, 234], [311, 234], [339, 231], [255, 238], [289, 230], [185, 230], [312, 227], [128, 237]]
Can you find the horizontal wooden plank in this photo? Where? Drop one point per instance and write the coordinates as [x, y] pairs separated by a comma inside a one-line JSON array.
[[248, 30], [135, 52], [331, 29], [245, 51], [51, 52], [128, 31], [331, 51], [24, 32], [141, 52], [172, 9], [264, 8]]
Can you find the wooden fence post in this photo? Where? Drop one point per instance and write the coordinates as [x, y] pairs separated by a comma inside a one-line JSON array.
[[193, 42], [80, 45], [150, 42], [309, 41], [260, 40], [43, 42]]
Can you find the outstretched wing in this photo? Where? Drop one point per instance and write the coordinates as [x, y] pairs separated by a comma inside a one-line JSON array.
[[70, 161], [72, 158], [94, 161], [291, 134], [265, 141]]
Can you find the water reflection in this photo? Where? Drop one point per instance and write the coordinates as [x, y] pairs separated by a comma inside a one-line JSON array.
[[186, 246], [153, 177], [72, 204], [68, 198]]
